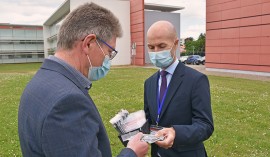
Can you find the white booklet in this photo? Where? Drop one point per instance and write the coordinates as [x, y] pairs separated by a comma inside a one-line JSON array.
[[125, 122]]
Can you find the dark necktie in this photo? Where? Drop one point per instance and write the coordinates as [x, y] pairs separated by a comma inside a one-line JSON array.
[[163, 86]]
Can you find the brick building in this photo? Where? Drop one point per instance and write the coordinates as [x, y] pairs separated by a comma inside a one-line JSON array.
[[238, 36]]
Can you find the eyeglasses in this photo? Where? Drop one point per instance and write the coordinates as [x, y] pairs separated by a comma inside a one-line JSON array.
[[113, 53]]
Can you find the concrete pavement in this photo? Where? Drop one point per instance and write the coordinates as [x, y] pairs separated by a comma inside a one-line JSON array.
[[202, 69]]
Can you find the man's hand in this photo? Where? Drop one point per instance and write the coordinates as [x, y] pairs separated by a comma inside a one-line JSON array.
[[138, 146], [169, 134]]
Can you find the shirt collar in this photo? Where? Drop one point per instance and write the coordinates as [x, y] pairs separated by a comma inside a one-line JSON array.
[[172, 67]]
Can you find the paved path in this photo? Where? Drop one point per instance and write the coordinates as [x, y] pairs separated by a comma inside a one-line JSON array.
[[201, 68]]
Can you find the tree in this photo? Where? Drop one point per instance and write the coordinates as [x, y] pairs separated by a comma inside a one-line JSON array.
[[201, 43], [189, 39], [189, 47], [197, 46]]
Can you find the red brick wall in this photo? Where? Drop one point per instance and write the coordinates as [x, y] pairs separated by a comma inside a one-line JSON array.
[[238, 34], [137, 29]]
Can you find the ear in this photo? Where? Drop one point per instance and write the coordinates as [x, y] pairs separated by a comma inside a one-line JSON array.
[[87, 43], [176, 42], [176, 46]]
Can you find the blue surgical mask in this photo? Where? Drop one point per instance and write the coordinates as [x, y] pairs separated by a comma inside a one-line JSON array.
[[96, 73], [161, 59]]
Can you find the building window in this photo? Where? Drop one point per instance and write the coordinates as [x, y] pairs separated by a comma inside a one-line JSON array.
[[28, 55], [10, 56], [40, 55]]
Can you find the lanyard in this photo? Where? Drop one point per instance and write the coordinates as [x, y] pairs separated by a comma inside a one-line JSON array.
[[160, 104]]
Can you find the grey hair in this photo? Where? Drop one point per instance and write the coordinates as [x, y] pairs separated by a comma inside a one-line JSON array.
[[88, 18]]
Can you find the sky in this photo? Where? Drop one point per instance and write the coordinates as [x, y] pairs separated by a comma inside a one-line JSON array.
[[193, 17], [36, 12]]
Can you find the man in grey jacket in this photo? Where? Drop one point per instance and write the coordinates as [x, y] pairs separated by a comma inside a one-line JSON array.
[[57, 117]]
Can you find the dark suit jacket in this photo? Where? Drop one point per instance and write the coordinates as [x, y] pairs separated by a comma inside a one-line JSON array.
[[187, 108], [57, 117]]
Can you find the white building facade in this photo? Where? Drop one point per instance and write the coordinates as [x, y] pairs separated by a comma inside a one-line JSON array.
[[52, 25], [21, 43]]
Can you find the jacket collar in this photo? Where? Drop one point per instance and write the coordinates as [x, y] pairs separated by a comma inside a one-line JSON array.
[[175, 83], [59, 68]]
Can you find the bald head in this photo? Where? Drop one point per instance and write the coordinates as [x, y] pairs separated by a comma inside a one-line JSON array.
[[162, 29], [162, 36]]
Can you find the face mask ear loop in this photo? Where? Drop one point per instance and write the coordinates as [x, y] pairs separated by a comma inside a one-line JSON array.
[[174, 56], [89, 62], [100, 48]]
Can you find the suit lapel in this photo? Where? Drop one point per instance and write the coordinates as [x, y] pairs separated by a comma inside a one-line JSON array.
[[175, 83]]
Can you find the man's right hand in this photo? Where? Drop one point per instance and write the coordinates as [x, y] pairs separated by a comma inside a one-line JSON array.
[[169, 134], [138, 146]]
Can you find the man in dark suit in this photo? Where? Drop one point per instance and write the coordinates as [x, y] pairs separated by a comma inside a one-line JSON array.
[[57, 117], [176, 98]]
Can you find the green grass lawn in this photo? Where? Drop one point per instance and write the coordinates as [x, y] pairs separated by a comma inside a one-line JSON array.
[[19, 68], [241, 109]]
